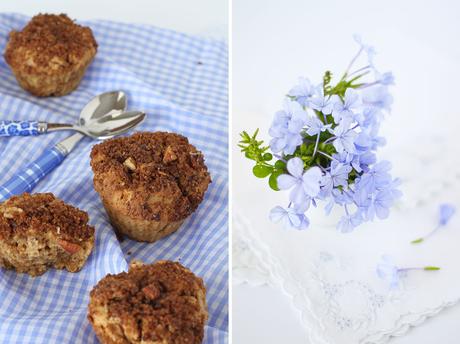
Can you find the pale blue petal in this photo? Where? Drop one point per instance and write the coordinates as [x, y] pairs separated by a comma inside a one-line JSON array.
[[295, 167], [311, 181], [277, 214], [446, 211], [286, 181]]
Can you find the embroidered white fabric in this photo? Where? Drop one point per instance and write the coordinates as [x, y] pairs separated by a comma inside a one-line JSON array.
[[332, 280], [331, 277]]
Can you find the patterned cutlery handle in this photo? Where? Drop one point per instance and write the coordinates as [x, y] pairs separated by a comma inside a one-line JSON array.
[[21, 128], [29, 177]]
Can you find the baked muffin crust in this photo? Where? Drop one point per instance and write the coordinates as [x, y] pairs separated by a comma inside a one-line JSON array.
[[54, 42], [38, 231], [163, 177], [50, 55], [159, 303]]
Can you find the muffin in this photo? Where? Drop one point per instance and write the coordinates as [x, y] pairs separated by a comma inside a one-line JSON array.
[[162, 303], [149, 183], [39, 231], [50, 55]]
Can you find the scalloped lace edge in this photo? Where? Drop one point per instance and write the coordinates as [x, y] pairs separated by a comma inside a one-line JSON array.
[[312, 324]]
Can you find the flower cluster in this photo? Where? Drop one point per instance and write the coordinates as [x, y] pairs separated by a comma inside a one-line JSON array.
[[324, 141]]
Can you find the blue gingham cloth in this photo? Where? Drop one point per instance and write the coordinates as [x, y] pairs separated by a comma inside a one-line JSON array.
[[180, 81]]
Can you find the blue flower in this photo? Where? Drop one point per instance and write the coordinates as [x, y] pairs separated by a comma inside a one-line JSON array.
[[315, 126], [295, 181], [361, 162], [369, 118], [304, 186], [368, 49], [345, 138], [446, 211], [389, 272], [289, 217], [349, 107], [386, 78], [338, 176], [377, 96], [312, 181], [348, 222], [363, 142], [381, 204], [376, 178], [303, 91], [323, 103], [286, 127], [341, 197]]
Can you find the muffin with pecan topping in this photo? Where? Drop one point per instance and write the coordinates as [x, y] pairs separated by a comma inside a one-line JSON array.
[[159, 303], [149, 183], [50, 55], [39, 231]]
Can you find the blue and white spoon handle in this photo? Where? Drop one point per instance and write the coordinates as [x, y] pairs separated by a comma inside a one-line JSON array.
[[29, 128], [28, 178], [21, 128]]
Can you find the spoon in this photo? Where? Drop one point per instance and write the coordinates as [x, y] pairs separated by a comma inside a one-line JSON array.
[[108, 119], [95, 112]]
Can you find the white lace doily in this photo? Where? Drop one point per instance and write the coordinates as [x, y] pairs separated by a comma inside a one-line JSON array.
[[333, 282]]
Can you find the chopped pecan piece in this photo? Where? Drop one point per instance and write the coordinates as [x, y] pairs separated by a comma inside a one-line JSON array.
[[152, 292], [169, 155], [130, 164], [69, 246]]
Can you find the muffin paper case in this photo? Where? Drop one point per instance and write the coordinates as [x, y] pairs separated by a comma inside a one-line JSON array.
[[151, 65]]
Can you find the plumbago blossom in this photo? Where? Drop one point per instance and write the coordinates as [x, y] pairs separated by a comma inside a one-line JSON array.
[[323, 147], [393, 275]]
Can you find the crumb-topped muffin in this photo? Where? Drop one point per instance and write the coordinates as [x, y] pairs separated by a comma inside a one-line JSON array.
[[39, 231], [50, 55], [149, 183], [162, 303]]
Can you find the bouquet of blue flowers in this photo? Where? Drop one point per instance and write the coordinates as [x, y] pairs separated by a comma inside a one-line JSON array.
[[323, 145]]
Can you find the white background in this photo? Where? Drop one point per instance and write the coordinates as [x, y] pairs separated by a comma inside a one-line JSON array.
[[274, 42], [202, 17]]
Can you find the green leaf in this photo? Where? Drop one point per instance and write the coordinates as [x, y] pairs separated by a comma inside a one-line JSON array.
[[261, 171], [417, 241], [431, 268], [267, 156], [280, 165], [303, 149], [273, 182]]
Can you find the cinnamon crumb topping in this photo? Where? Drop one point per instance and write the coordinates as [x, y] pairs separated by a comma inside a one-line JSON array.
[[163, 175], [52, 43], [160, 302], [43, 212]]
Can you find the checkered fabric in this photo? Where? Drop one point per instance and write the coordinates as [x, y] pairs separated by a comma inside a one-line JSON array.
[[180, 81]]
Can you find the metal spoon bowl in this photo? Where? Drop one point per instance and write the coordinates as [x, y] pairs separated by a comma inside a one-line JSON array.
[[103, 117]]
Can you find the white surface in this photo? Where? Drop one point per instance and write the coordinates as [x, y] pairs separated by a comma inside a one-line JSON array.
[[277, 322], [274, 42], [201, 17]]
